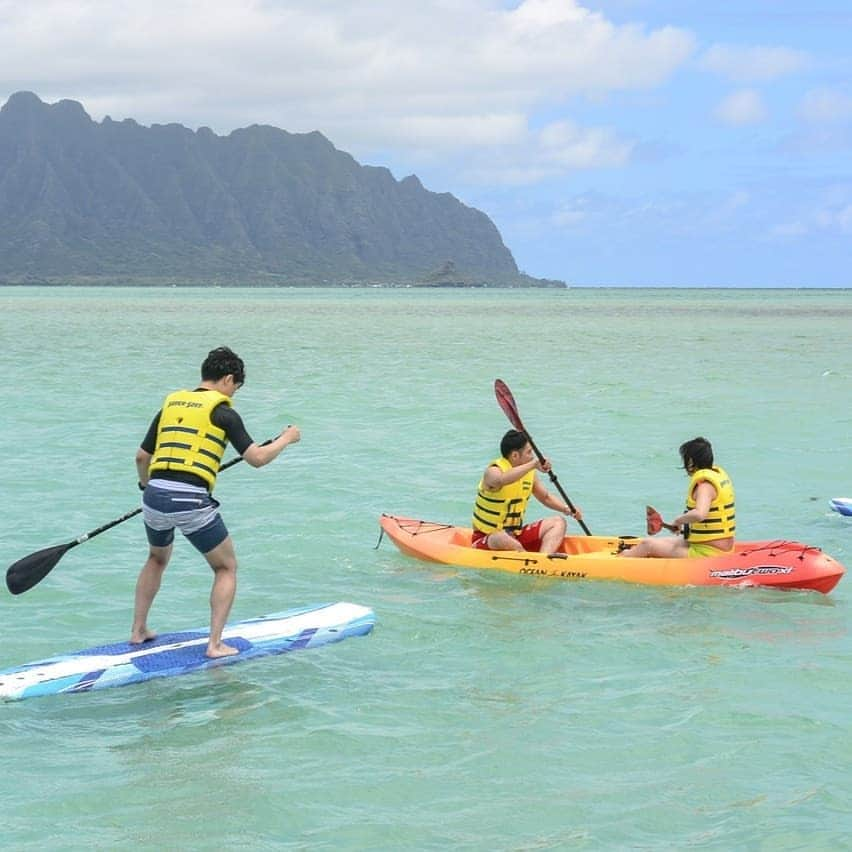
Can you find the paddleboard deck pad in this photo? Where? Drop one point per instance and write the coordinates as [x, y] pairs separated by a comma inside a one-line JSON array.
[[173, 654]]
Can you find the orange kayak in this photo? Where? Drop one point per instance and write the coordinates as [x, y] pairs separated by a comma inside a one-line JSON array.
[[775, 564]]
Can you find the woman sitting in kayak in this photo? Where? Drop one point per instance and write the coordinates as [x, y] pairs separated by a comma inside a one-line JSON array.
[[708, 525]]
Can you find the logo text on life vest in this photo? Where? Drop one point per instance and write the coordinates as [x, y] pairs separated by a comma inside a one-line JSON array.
[[184, 403]]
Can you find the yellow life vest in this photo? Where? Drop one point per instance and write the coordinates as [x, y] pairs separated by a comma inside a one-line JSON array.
[[721, 520], [186, 439], [503, 509]]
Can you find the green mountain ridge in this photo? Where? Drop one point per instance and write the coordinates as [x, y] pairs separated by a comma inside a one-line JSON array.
[[89, 202]]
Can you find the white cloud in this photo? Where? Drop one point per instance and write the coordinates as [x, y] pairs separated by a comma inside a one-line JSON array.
[[742, 107], [333, 66], [818, 141], [566, 145], [832, 219], [788, 230], [552, 151], [687, 212], [836, 219], [825, 106], [569, 217], [752, 64], [435, 81], [437, 133]]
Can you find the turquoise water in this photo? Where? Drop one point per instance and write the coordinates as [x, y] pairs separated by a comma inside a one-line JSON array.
[[485, 711]]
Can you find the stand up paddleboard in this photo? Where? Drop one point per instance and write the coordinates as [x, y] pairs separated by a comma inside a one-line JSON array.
[[842, 505], [180, 653]]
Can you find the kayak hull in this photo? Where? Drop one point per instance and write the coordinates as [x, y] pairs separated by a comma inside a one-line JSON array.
[[776, 564]]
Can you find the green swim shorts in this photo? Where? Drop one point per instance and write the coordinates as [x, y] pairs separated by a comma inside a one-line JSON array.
[[699, 550]]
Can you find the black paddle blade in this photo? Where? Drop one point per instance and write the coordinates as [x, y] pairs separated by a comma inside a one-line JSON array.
[[507, 402], [32, 569]]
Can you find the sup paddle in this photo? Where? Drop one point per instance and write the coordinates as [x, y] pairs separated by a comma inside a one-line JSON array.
[[32, 569], [510, 409], [655, 521]]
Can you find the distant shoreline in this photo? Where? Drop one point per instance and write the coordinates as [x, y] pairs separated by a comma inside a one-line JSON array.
[[197, 285], [288, 285]]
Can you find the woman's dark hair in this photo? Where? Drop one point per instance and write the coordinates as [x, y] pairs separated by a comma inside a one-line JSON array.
[[221, 362], [513, 440], [698, 452]]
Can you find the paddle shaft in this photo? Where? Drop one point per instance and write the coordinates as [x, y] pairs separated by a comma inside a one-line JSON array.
[[507, 402], [555, 480], [655, 522], [32, 569]]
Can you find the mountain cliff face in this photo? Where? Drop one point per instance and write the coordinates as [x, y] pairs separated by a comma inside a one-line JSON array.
[[81, 200]]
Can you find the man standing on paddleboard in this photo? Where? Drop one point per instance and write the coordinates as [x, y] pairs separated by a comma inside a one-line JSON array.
[[501, 500], [177, 464]]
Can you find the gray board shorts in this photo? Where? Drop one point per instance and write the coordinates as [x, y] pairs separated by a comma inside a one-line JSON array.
[[167, 506]]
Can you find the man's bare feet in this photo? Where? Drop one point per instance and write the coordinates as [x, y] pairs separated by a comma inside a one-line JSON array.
[[221, 650], [144, 635]]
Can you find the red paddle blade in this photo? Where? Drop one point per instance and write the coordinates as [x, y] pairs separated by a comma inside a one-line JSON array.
[[654, 520], [507, 403]]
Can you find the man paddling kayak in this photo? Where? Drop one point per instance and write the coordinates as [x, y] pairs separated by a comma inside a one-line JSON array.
[[505, 488], [177, 464], [709, 522]]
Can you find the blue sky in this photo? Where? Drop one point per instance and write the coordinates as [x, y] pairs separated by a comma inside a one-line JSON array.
[[621, 142]]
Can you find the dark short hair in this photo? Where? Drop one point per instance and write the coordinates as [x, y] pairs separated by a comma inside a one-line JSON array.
[[221, 362], [698, 451], [513, 440]]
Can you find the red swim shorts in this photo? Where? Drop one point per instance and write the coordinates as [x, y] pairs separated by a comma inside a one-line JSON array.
[[529, 536]]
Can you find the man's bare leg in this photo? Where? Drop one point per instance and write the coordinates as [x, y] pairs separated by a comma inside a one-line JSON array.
[[552, 533], [147, 587], [502, 540], [223, 561]]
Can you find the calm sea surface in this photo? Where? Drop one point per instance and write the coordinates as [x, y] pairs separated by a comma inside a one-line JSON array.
[[484, 711]]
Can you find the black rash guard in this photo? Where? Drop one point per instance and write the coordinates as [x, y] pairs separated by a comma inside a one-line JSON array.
[[225, 418]]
